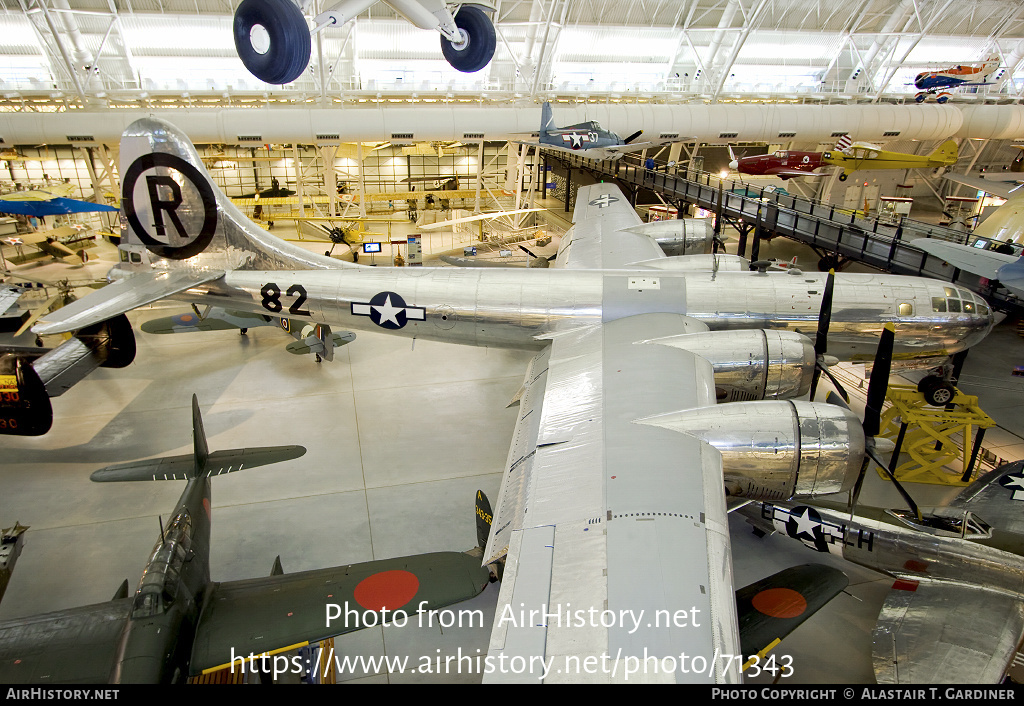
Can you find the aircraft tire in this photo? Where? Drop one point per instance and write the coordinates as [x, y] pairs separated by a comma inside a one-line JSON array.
[[937, 392], [481, 45], [920, 97], [289, 40], [844, 177], [943, 97]]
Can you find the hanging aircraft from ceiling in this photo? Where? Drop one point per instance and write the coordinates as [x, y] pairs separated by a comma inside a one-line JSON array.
[[274, 41]]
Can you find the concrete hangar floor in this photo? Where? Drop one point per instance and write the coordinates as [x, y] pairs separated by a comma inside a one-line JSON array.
[[399, 438]]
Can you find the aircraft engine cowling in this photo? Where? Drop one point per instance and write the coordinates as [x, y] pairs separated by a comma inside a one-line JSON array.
[[752, 364], [777, 450], [680, 236]]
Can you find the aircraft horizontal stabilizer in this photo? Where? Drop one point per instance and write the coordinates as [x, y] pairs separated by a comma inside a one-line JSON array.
[[180, 467], [121, 296], [772, 608]]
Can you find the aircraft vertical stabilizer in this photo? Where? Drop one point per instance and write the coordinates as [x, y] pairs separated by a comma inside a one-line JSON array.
[[547, 118], [202, 451]]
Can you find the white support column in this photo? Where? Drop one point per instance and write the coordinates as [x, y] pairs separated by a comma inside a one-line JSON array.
[[327, 153], [297, 163], [362, 180], [479, 175]]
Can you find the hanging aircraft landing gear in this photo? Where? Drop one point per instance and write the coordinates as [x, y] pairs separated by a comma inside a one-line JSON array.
[[942, 98], [478, 43], [272, 39], [844, 176], [920, 97]]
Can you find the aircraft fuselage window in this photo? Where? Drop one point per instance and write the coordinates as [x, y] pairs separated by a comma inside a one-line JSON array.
[[938, 304], [954, 305], [124, 255], [136, 257], [906, 309]]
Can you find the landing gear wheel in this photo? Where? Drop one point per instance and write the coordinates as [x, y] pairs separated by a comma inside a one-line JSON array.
[[943, 97], [937, 392], [272, 39], [920, 97], [844, 177], [479, 45]]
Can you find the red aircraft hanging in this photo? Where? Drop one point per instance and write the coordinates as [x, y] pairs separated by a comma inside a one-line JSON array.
[[785, 164]]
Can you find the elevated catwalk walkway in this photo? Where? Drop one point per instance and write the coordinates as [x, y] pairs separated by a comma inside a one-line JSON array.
[[766, 214]]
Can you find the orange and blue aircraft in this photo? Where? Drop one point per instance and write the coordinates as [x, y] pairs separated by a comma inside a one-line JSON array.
[[955, 77]]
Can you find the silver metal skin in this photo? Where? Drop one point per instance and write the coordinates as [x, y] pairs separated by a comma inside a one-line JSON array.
[[777, 449], [586, 453], [680, 236], [495, 307], [752, 365], [956, 614]]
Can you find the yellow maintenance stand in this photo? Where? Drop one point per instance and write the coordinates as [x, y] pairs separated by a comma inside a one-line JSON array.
[[933, 437]]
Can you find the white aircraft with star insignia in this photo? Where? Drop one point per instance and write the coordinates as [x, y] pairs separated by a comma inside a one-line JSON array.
[[624, 449]]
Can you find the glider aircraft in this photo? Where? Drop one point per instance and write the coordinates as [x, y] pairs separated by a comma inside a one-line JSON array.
[[614, 464]]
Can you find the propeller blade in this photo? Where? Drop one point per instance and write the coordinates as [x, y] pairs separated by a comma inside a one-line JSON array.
[[899, 486], [855, 495], [633, 136], [814, 380], [825, 315], [879, 381], [833, 398], [527, 251], [835, 383]]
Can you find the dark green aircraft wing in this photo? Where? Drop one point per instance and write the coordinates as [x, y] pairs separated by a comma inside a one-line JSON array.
[[75, 646], [181, 467], [775, 606], [278, 613]]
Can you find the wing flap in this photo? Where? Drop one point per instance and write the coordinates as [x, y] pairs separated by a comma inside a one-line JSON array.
[[941, 633], [121, 296], [256, 616], [76, 646]]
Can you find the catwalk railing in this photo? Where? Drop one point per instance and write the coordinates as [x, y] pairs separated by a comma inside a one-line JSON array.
[[826, 227]]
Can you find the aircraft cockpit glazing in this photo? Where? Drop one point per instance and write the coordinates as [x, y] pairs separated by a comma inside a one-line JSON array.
[[957, 300], [159, 584], [945, 522]]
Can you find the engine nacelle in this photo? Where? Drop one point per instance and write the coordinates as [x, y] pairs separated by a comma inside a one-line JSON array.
[[753, 364], [680, 236], [777, 450]]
